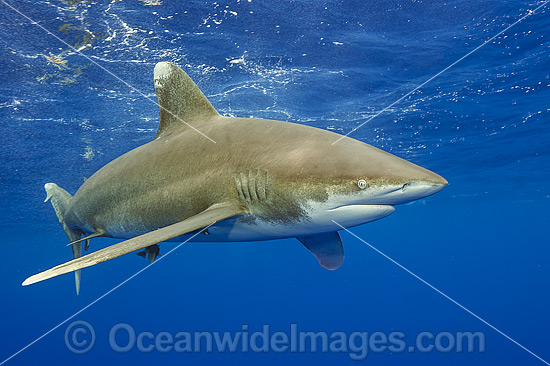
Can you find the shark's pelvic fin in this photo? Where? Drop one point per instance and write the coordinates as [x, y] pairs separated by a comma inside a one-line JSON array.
[[60, 200], [209, 216], [181, 102], [151, 253], [327, 248]]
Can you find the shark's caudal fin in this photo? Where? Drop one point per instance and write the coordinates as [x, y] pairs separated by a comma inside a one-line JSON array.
[[181, 102], [60, 200]]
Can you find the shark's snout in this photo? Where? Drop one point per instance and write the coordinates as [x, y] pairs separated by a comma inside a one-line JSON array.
[[418, 183], [408, 192], [421, 189], [436, 182]]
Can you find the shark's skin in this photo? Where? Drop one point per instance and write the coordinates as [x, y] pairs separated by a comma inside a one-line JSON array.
[[288, 180]]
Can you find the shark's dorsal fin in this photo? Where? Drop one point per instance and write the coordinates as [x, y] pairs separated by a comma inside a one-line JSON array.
[[181, 102]]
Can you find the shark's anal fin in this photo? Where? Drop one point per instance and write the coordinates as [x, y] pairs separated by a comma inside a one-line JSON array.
[[209, 216], [327, 248]]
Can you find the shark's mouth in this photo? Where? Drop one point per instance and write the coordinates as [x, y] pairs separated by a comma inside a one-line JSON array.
[[351, 215]]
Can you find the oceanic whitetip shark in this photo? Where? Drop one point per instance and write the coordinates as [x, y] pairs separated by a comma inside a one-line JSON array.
[[260, 180]]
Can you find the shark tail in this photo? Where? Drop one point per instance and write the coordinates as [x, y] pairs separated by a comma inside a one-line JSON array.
[[61, 200]]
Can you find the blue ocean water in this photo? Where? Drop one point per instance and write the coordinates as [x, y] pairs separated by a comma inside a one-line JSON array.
[[483, 124]]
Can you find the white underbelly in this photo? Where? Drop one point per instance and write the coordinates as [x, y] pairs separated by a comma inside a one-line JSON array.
[[320, 220]]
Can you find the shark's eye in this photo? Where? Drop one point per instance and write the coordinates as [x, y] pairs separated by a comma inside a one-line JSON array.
[[362, 184]]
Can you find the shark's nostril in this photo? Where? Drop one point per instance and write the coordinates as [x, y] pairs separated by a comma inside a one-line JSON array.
[[405, 186]]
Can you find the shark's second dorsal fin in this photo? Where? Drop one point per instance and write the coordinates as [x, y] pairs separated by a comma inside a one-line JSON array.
[[181, 102]]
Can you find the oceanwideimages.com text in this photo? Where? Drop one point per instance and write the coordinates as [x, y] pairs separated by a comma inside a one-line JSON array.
[[80, 337]]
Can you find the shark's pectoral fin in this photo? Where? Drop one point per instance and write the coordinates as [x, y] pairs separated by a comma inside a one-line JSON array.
[[327, 248], [208, 217]]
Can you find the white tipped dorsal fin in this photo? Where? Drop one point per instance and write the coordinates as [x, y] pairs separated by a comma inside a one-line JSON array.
[[181, 102]]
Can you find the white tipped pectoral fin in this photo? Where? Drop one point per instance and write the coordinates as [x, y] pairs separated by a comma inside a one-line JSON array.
[[327, 248], [207, 217]]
